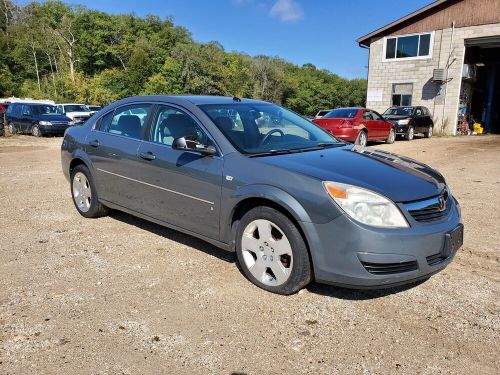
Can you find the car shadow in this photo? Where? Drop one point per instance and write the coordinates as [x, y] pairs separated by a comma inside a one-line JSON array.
[[174, 235], [358, 294]]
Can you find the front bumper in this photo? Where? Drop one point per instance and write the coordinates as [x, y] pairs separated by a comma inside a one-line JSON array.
[[53, 129], [400, 129], [343, 251]]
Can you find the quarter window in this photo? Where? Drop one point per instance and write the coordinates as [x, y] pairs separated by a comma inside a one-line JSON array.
[[128, 121], [402, 47]]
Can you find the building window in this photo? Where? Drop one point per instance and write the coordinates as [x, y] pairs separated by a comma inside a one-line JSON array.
[[402, 94], [410, 46]]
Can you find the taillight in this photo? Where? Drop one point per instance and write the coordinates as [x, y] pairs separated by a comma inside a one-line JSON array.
[[346, 124]]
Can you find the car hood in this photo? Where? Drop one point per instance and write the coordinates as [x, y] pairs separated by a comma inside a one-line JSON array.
[[397, 177], [52, 118], [395, 117]]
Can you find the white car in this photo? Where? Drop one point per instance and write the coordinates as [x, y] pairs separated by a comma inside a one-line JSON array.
[[78, 113]]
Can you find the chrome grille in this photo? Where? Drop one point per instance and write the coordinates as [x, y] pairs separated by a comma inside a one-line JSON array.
[[429, 210]]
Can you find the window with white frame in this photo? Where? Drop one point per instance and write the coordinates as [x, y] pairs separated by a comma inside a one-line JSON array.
[[402, 94], [409, 46]]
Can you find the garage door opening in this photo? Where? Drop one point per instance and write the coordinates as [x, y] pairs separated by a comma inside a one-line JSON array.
[[480, 91]]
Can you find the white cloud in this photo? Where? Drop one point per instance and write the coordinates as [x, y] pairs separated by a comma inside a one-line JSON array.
[[286, 10]]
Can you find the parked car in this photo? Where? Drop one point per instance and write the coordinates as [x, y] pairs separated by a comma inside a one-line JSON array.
[[358, 125], [3, 109], [410, 120], [36, 118], [94, 109], [78, 113], [293, 202], [321, 113]]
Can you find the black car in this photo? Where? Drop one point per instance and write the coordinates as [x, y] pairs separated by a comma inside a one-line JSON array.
[[36, 118], [410, 120]]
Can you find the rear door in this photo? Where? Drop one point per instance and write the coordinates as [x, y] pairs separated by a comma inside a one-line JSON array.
[[370, 124], [113, 148], [419, 120], [26, 118], [183, 187]]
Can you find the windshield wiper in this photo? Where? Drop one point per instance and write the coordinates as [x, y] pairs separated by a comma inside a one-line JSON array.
[[318, 146], [273, 152]]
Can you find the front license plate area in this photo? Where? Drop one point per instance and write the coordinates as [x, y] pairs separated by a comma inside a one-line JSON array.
[[454, 241]]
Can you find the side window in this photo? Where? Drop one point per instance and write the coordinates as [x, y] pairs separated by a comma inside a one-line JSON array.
[[367, 115], [128, 121], [418, 112], [171, 123], [376, 116], [26, 110], [105, 121]]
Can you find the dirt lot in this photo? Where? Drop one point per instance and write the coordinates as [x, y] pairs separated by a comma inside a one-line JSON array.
[[120, 295]]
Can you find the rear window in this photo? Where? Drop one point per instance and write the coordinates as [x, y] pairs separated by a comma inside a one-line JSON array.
[[342, 113]]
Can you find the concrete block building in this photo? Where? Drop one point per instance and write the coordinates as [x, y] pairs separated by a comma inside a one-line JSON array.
[[445, 56]]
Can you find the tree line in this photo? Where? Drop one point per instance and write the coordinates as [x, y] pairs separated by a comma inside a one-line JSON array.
[[71, 53]]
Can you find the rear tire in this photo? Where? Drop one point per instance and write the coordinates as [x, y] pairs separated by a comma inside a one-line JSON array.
[[84, 193], [410, 133], [12, 128], [271, 251], [428, 133], [362, 138], [392, 136]]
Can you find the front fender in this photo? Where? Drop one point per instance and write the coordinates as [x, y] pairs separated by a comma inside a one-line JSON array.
[[271, 193]]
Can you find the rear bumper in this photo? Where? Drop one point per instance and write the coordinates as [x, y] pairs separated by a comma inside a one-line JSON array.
[[346, 134], [350, 254]]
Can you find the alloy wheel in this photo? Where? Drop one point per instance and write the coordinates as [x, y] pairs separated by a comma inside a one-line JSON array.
[[82, 193], [267, 252], [35, 131], [362, 139], [429, 133], [12, 128], [392, 136], [411, 133]]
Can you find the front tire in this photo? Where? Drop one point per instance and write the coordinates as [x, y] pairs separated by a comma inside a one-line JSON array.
[[410, 133], [428, 133], [392, 136], [271, 251], [362, 138], [84, 193], [35, 131]]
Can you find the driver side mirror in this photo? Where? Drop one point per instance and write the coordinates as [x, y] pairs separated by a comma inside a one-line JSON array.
[[187, 145]]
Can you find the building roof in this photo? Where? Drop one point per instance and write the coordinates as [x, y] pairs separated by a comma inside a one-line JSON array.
[[365, 40]]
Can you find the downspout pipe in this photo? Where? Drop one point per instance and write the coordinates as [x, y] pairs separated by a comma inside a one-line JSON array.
[[447, 79]]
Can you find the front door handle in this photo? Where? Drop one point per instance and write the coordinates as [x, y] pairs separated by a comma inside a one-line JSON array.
[[94, 143], [147, 155]]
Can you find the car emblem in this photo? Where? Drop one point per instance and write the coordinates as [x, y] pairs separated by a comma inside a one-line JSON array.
[[442, 203]]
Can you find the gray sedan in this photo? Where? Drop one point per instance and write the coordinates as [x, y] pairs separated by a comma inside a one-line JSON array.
[[292, 201]]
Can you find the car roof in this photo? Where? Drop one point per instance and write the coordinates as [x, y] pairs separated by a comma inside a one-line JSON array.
[[192, 99], [71, 104]]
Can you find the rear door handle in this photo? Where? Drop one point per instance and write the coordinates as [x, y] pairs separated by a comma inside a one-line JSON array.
[[147, 155], [94, 143]]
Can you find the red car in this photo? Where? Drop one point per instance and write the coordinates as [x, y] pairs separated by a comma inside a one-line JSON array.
[[358, 125]]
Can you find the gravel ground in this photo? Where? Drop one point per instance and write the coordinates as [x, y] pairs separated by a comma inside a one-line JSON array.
[[121, 295]]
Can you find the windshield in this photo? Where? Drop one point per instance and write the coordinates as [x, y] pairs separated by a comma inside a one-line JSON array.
[[255, 128], [44, 109], [399, 111], [76, 108], [342, 113]]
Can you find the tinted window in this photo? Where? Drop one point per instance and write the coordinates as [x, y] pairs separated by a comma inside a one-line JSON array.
[[261, 127], [425, 42], [367, 115], [390, 48], [342, 113], [376, 116], [418, 112], [171, 123], [129, 120], [76, 108], [407, 46], [44, 109]]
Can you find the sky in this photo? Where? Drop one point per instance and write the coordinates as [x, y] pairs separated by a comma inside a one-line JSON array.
[[320, 32]]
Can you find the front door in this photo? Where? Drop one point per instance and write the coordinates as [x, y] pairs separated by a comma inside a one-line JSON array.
[[113, 148], [183, 187], [382, 127]]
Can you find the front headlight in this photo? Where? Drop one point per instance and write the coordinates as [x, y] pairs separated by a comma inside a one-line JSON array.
[[405, 121], [366, 206], [44, 123]]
